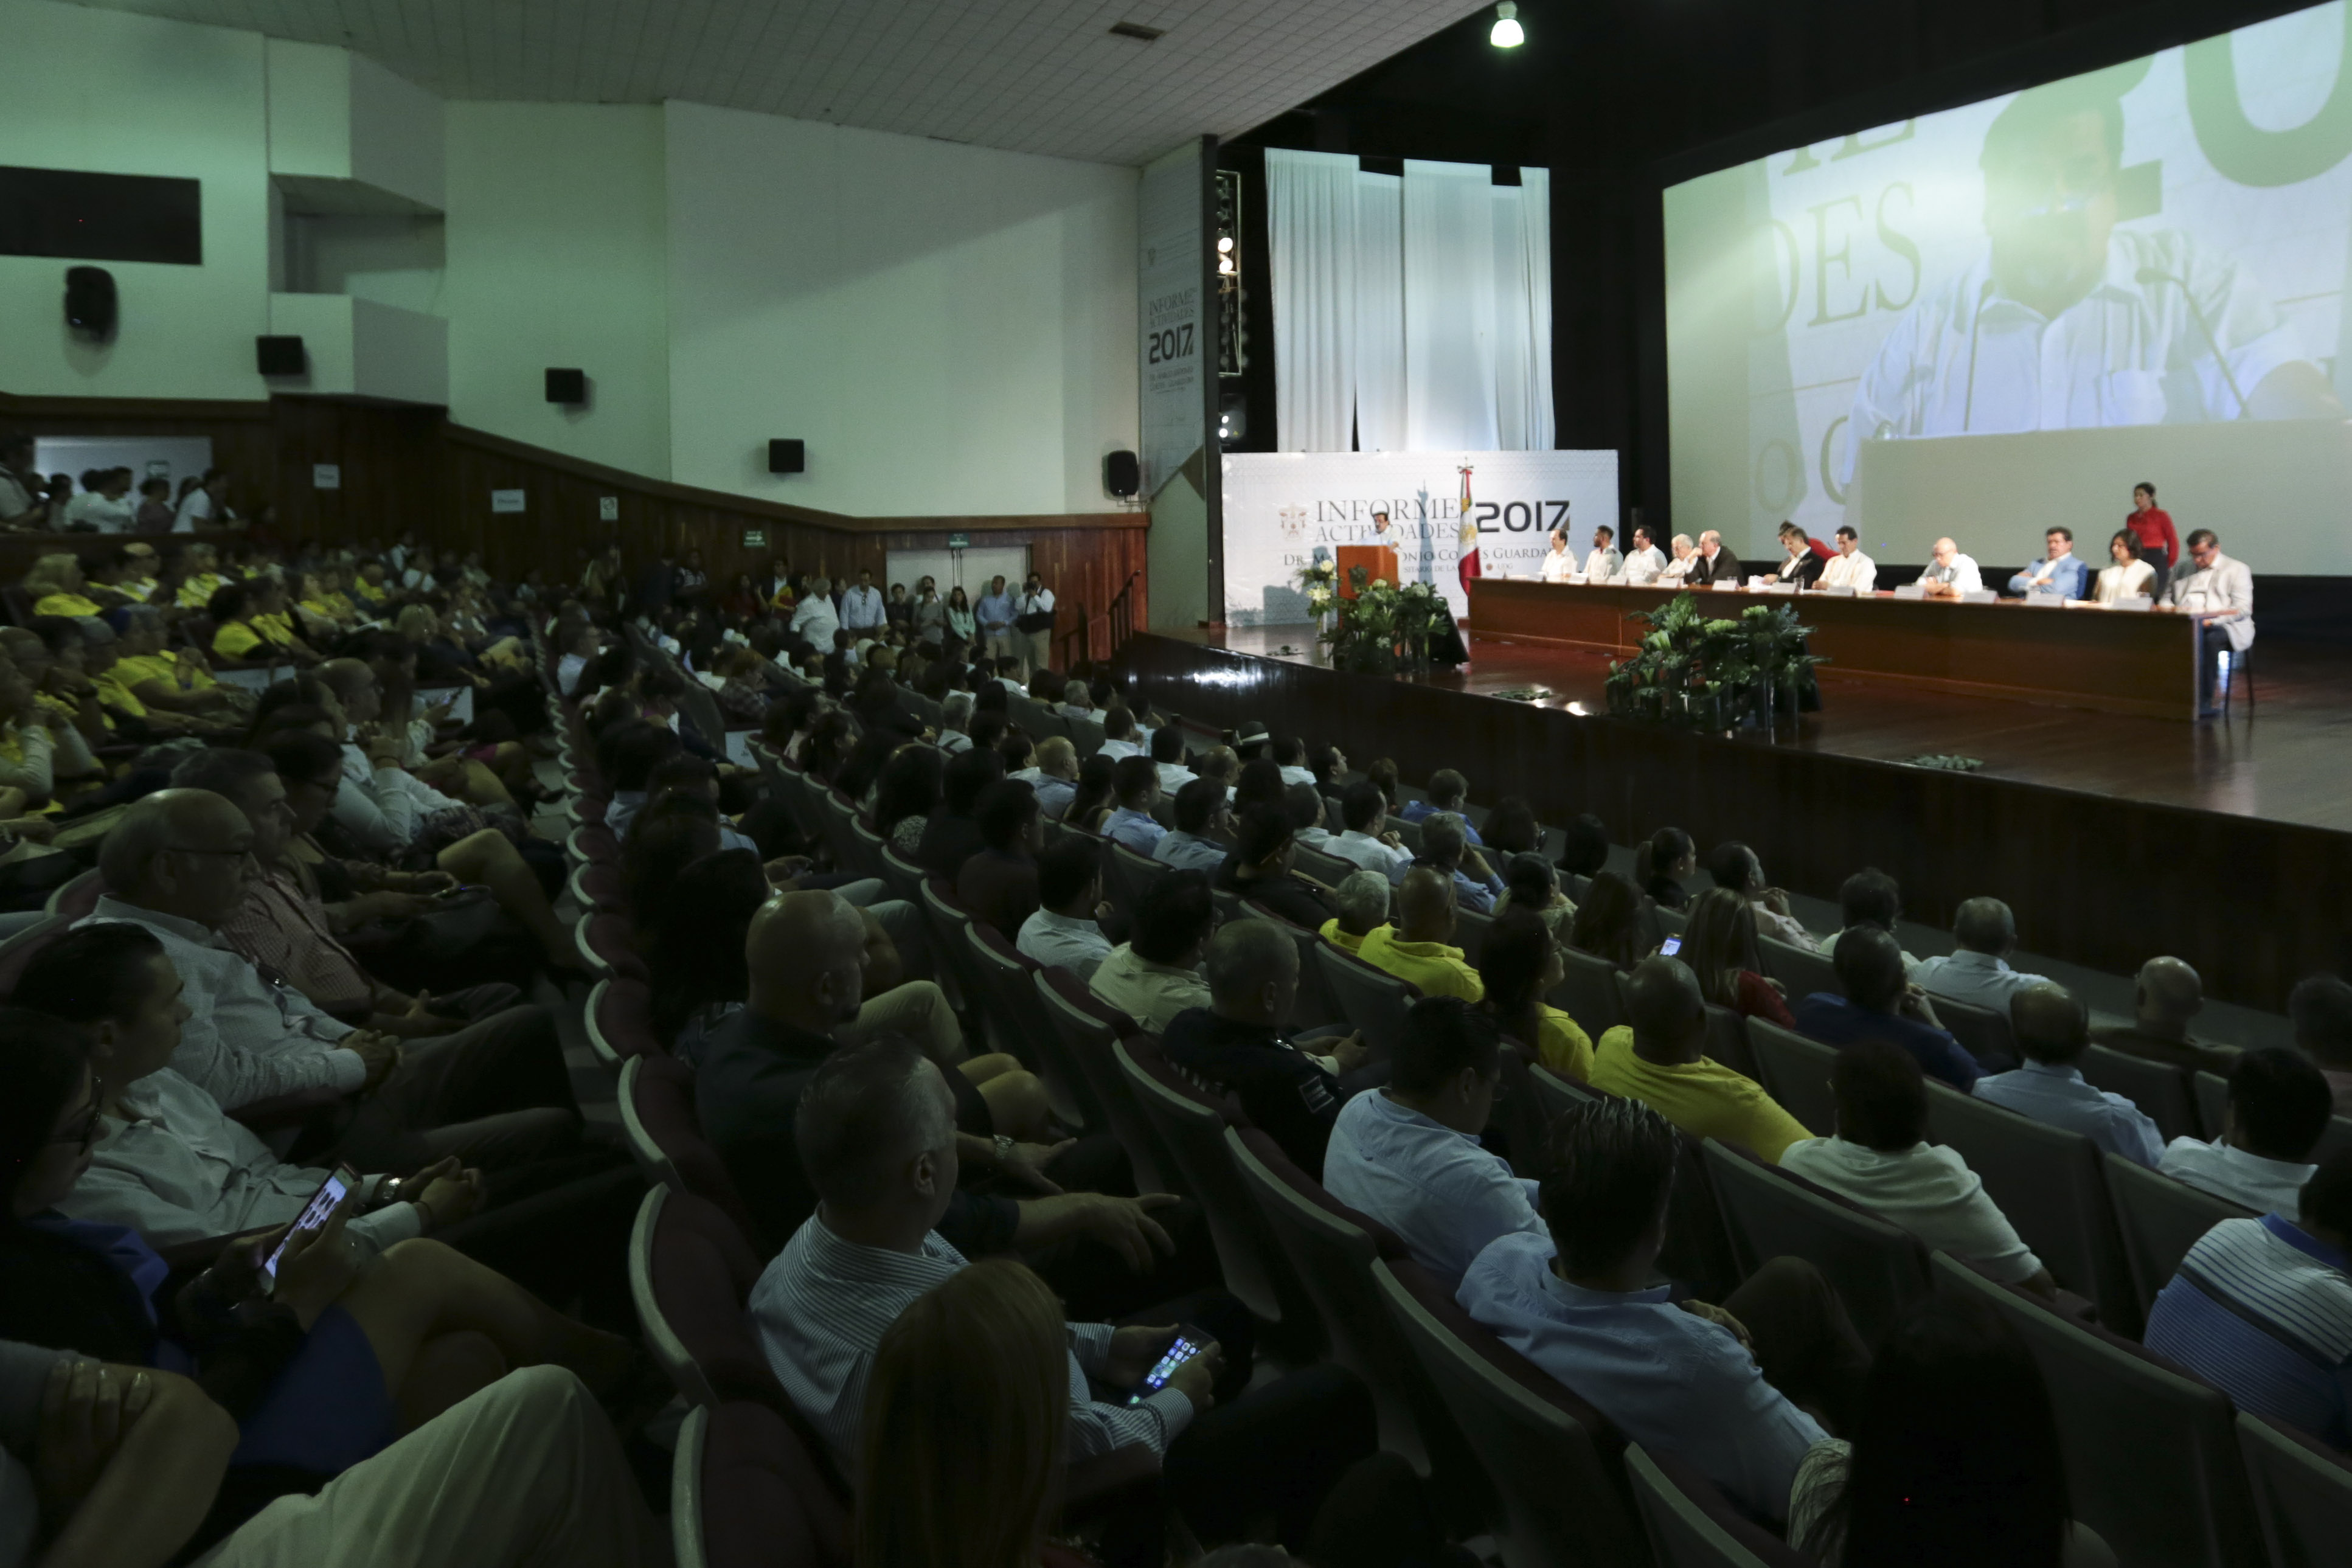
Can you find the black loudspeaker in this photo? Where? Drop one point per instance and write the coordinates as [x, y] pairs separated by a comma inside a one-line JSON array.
[[567, 385], [787, 457], [1122, 475], [89, 300], [281, 356]]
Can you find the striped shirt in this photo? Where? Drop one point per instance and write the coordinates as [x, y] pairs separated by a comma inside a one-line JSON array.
[[2262, 1309], [822, 1306]]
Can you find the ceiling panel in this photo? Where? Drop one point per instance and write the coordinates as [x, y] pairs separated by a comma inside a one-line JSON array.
[[1028, 76]]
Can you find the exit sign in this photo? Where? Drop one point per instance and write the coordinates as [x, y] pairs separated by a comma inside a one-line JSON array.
[[959, 542], [755, 539]]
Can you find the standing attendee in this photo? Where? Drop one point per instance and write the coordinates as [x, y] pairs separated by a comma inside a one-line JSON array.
[[960, 622], [1644, 560], [206, 505], [2053, 1030], [1605, 558], [102, 506], [2151, 529], [1849, 568], [2222, 588], [2129, 577], [861, 608], [899, 609], [22, 491], [1950, 575], [1032, 618], [1713, 563], [927, 615], [814, 617], [993, 616], [1559, 561]]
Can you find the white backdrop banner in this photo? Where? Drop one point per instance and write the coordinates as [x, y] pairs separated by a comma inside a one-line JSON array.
[[1287, 509]]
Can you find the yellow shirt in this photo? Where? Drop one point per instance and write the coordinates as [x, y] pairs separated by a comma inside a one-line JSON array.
[[65, 604], [1705, 1098], [234, 639], [340, 603], [323, 609], [142, 590], [113, 693], [1437, 969], [278, 629], [1340, 938], [197, 592], [1564, 1047], [137, 670]]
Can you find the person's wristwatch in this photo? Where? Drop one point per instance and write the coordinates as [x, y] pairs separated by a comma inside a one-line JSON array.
[[1004, 1152]]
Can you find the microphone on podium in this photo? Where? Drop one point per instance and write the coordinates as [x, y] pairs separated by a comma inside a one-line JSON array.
[[2148, 276], [1976, 325]]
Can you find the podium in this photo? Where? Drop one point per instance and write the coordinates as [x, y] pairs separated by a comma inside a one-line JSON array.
[[1377, 560]]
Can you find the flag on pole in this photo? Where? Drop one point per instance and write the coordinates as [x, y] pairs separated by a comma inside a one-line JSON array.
[[1468, 539]]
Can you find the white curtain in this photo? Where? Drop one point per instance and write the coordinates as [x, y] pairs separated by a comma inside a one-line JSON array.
[[1449, 307], [1410, 314], [1311, 235], [1379, 314]]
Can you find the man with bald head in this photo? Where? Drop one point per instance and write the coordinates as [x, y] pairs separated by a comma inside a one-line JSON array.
[[2168, 993], [1420, 947], [2053, 1031], [1950, 574], [1660, 1060], [1712, 561], [179, 863], [1978, 971], [1240, 1043]]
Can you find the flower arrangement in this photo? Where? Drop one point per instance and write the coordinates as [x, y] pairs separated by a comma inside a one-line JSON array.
[[1379, 627], [1713, 674]]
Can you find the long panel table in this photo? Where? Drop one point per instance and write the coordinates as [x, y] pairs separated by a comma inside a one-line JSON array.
[[2116, 661]]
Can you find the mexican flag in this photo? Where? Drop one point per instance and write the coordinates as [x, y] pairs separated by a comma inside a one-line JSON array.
[[1468, 539]]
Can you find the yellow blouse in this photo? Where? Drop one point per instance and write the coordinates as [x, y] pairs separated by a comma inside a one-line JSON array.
[[113, 693], [167, 668], [197, 592], [65, 604], [234, 639], [278, 629]]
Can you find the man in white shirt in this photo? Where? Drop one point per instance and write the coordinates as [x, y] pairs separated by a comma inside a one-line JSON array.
[[1602, 562], [1559, 561], [2280, 1106], [814, 618], [1646, 561], [1849, 568], [1980, 971], [203, 506], [1156, 973], [1677, 571], [2212, 583], [1118, 733], [1366, 841], [1950, 574], [1065, 931], [1168, 757], [1289, 755], [1408, 1155], [102, 506], [862, 609], [1034, 605]]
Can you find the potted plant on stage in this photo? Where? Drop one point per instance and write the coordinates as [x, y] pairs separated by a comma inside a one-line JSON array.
[[1712, 674], [1379, 628]]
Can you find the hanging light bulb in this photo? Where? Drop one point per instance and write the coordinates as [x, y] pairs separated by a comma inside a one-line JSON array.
[[1508, 33]]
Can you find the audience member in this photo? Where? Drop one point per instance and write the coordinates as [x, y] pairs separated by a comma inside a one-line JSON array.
[[1663, 863], [1259, 868], [1586, 849], [1609, 922], [1168, 760], [1197, 841], [1420, 948], [2279, 1109], [1880, 1158], [2262, 1308], [1519, 966], [1137, 786], [1094, 796], [1409, 1155], [1066, 930], [954, 835], [1367, 841], [1722, 1388], [1531, 884], [1156, 973], [1448, 792], [1660, 1059], [1719, 945], [1880, 1005], [1735, 866], [1871, 898], [1306, 808], [1511, 830], [999, 884], [1980, 971], [2053, 1031], [906, 795], [1237, 1044], [1445, 847], [2166, 994], [2320, 1008], [1362, 900]]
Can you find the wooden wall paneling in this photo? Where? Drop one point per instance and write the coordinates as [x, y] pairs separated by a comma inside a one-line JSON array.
[[244, 435], [389, 459]]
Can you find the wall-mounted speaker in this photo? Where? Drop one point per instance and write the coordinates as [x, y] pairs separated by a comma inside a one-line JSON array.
[[281, 356], [787, 457], [90, 304], [567, 386], [1122, 475]]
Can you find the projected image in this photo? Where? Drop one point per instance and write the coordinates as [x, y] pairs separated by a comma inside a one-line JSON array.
[[2158, 244]]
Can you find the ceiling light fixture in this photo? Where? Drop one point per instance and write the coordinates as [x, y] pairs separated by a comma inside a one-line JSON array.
[[1508, 33]]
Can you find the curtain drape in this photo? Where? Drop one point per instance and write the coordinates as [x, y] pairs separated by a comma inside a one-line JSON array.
[[1449, 307], [1379, 314], [1311, 235], [1535, 249]]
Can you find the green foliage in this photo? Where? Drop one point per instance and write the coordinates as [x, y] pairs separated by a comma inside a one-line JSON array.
[[1381, 627], [1713, 669]]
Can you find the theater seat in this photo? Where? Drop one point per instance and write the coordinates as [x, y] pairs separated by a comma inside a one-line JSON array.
[[1727, 1041], [17, 950], [2159, 1090], [2160, 1220], [1691, 1524], [1314, 1006], [2302, 1492], [594, 846], [1085, 1029], [690, 1274], [1983, 1033], [665, 1132], [76, 898], [1373, 1001], [1588, 992], [1556, 1462], [1878, 1268], [1800, 971], [619, 1016], [746, 1492], [1795, 1072], [596, 887]]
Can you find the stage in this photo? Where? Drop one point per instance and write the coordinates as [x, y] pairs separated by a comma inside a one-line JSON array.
[[2114, 836]]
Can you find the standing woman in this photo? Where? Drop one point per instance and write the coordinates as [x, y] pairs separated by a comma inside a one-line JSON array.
[[929, 614], [2151, 526], [959, 621]]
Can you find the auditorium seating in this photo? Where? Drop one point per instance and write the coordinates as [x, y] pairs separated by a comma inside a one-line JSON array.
[[2302, 1491], [1878, 1268], [690, 1276], [1691, 1524], [2160, 1220], [1372, 1000], [1795, 1070], [2161, 1092], [747, 1493], [1587, 992]]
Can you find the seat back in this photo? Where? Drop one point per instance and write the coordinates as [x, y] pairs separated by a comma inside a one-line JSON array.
[[1086, 1028], [1470, 934], [1556, 1474], [1795, 1070], [1691, 1525], [745, 1493], [1588, 992], [2049, 1184], [651, 1163], [2152, 1461], [1018, 1013], [664, 1132], [606, 945], [2160, 1091], [2212, 1092], [1328, 869], [1193, 1128], [902, 876], [75, 899], [866, 848], [1800, 971], [841, 835], [948, 919], [1556, 1094], [1333, 1249], [596, 887], [2161, 1219], [1878, 1268], [17, 950], [1373, 1000], [1127, 875], [1982, 1033], [1087, 734], [691, 1273], [1727, 1041], [619, 1016], [2302, 1491]]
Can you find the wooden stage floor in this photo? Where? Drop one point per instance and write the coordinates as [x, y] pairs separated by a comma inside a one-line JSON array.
[[2288, 758]]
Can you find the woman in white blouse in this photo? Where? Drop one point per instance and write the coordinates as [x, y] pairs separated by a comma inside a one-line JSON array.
[[2129, 575], [1559, 563]]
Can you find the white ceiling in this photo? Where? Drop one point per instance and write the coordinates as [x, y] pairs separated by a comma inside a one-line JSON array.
[[1029, 75]]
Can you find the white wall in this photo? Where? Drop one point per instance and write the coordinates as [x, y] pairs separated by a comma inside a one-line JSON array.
[[950, 330], [114, 93], [555, 258]]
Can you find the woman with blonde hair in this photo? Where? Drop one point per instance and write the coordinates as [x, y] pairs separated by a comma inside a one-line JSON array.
[[965, 1412], [1719, 946]]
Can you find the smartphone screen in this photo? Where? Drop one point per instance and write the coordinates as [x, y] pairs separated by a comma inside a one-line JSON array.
[[1181, 1351], [1671, 946], [316, 1213]]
